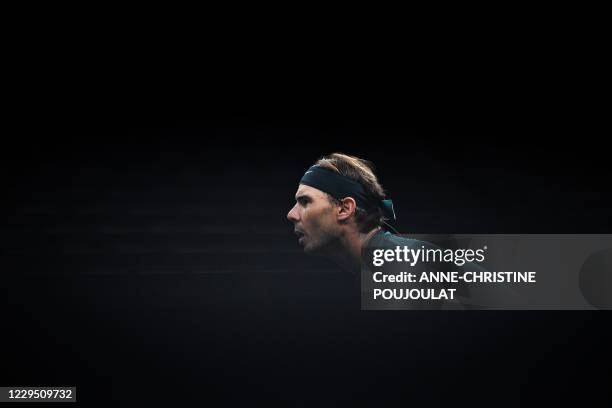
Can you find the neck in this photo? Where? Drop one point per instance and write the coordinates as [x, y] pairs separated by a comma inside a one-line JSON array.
[[347, 254]]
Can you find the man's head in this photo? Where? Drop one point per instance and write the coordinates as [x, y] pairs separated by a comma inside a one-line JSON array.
[[320, 219]]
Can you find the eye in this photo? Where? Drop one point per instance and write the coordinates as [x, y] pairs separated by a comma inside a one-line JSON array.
[[303, 201]]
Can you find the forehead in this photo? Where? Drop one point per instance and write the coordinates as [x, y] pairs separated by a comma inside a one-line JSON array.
[[304, 190]]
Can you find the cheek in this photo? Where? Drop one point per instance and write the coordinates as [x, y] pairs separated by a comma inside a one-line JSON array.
[[310, 220], [321, 223]]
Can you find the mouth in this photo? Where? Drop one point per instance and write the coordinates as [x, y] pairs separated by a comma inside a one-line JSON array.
[[300, 236]]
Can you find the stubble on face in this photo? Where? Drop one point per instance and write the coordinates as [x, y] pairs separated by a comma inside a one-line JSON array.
[[316, 222], [320, 235]]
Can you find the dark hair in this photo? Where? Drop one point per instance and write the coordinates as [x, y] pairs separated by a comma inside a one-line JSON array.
[[361, 171]]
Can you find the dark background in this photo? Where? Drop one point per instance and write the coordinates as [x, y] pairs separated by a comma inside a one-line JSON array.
[[150, 259]]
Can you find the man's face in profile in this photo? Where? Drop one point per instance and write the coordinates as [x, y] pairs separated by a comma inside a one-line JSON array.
[[313, 219]]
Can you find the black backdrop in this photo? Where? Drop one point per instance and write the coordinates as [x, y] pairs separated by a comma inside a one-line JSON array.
[[150, 259]]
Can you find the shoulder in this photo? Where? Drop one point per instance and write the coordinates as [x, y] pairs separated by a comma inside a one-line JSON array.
[[385, 239]]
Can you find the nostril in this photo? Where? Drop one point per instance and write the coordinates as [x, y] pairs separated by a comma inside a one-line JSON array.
[[290, 216]]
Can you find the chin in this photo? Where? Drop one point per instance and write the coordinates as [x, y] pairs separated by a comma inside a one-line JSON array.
[[310, 249], [318, 250]]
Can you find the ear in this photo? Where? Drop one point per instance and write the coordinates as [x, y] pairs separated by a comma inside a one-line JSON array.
[[346, 208]]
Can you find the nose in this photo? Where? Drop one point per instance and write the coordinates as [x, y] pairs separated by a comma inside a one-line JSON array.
[[293, 214]]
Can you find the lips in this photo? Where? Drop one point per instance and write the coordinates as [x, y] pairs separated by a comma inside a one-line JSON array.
[[300, 235]]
